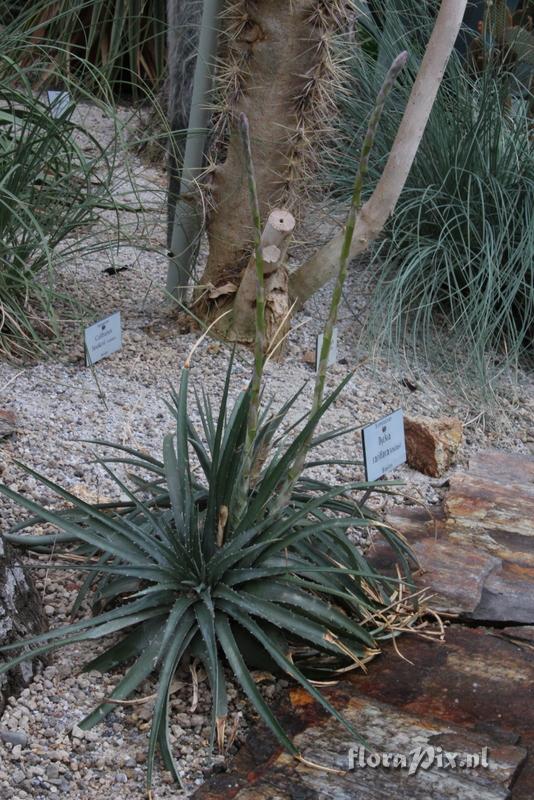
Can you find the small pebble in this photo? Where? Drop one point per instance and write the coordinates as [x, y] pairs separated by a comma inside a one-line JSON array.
[[14, 737]]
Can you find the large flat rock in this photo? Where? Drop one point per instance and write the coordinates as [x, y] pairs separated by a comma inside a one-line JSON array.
[[473, 691], [479, 678], [263, 772], [477, 553]]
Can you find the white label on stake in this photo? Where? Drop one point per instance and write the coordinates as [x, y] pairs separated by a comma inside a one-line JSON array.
[[59, 102], [332, 356], [384, 446], [103, 338]]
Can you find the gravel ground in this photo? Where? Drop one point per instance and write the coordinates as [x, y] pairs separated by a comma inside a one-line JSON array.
[[60, 402]]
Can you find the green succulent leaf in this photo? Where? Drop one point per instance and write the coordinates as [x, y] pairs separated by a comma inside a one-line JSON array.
[[243, 676], [182, 634]]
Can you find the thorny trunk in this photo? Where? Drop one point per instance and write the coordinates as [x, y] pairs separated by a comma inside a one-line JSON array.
[[278, 68]]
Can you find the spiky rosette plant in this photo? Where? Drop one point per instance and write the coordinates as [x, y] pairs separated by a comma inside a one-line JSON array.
[[180, 570], [251, 563]]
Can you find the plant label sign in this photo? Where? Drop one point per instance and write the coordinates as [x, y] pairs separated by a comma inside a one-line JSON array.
[[103, 338], [332, 356], [384, 446], [59, 102]]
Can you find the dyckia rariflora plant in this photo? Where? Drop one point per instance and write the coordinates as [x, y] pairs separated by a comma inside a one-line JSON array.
[[249, 563]]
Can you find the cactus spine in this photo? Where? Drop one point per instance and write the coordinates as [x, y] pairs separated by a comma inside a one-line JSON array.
[[279, 65]]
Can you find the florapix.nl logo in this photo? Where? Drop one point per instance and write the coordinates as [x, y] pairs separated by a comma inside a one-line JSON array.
[[422, 757]]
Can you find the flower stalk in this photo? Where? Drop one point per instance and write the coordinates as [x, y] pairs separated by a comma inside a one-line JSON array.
[[355, 207], [356, 204]]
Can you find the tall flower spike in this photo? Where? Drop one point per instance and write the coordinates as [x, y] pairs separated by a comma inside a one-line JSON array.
[[259, 351], [296, 469]]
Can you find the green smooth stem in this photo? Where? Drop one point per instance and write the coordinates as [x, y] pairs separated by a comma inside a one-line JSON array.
[[259, 347], [187, 224], [356, 202]]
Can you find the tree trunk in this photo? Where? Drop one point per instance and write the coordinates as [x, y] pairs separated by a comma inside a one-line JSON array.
[[279, 70], [21, 615], [186, 230]]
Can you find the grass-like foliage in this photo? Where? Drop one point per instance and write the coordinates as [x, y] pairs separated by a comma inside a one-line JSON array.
[[182, 567], [49, 188], [456, 263], [125, 42]]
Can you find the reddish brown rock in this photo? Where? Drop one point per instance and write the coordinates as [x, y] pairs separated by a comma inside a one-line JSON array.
[[334, 767], [476, 552], [522, 633], [431, 444]]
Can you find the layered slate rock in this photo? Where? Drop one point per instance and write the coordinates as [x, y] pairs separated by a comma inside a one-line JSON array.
[[262, 771], [477, 553], [480, 679], [21, 615]]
